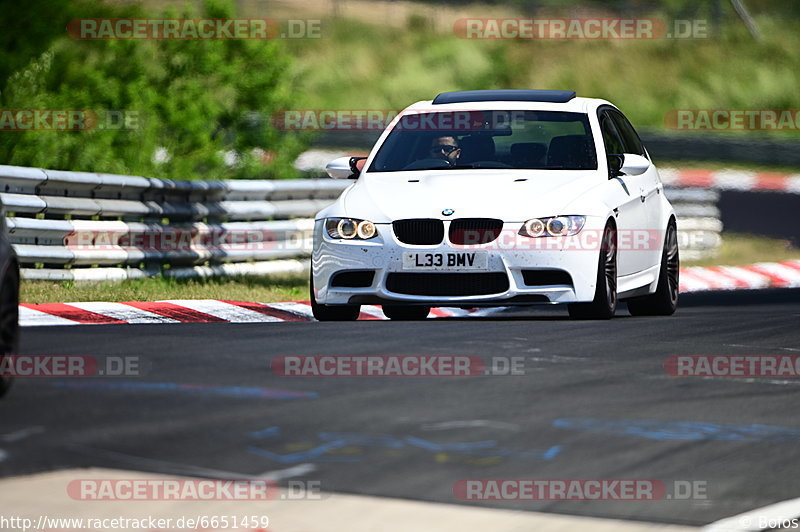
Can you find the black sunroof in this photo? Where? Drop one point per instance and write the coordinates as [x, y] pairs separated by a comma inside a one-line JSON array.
[[507, 95]]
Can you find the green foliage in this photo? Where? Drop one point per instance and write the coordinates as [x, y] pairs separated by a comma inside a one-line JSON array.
[[29, 29], [198, 99]]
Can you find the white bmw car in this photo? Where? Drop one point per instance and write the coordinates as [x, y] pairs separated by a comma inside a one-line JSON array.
[[499, 198]]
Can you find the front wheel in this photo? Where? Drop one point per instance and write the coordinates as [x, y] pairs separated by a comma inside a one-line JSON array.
[[403, 313], [664, 301], [604, 304], [332, 312]]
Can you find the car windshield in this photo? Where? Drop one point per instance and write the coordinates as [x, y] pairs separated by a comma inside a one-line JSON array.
[[531, 140]]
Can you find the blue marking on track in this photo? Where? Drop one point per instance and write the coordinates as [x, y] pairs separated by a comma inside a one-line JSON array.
[[265, 433], [239, 392], [444, 447], [552, 452], [682, 430], [331, 441], [316, 454]]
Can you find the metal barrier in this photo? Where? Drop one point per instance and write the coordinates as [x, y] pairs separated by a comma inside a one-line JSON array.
[[92, 227], [699, 224], [85, 226]]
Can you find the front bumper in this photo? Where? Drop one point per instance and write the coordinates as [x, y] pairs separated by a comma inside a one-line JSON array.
[[511, 254]]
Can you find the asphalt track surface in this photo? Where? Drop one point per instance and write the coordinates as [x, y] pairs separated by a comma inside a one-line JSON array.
[[594, 402]]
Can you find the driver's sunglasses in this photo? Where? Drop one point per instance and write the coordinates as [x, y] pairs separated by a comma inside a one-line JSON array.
[[447, 148]]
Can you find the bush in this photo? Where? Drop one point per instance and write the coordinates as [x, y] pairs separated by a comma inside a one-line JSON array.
[[200, 102]]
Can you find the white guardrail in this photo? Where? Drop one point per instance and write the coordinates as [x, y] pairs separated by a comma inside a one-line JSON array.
[[92, 227]]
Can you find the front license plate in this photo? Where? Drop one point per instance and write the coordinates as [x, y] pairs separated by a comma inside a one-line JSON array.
[[450, 261]]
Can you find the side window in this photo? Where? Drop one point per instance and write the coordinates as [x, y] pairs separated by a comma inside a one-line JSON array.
[[611, 138], [630, 139]]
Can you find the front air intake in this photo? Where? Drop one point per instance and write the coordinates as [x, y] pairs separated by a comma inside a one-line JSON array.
[[419, 231], [474, 231], [447, 284]]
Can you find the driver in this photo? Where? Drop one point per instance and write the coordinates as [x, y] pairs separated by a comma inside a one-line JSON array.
[[445, 148]]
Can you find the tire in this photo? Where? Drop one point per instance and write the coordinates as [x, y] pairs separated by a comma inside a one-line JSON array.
[[9, 320], [332, 312], [404, 313], [604, 304], [665, 299]]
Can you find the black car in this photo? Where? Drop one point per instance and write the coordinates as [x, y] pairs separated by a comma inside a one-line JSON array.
[[9, 303]]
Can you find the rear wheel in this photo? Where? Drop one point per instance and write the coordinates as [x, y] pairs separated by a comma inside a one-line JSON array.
[[9, 321], [332, 312], [403, 313], [665, 299], [604, 304]]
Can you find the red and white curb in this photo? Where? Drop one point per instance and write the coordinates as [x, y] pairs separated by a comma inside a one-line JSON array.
[[192, 311], [784, 274]]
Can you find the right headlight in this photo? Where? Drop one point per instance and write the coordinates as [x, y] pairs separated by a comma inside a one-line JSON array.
[[553, 226], [350, 228]]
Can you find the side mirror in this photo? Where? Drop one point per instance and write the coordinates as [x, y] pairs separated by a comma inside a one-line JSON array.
[[626, 164], [345, 167], [634, 164]]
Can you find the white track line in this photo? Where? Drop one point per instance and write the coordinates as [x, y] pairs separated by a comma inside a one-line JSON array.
[[692, 283], [793, 184], [223, 310], [753, 279], [735, 180], [791, 275], [295, 308], [749, 521], [374, 310], [325, 511], [713, 279], [123, 312], [29, 317]]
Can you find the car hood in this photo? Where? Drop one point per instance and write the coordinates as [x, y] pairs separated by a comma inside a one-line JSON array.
[[512, 196]]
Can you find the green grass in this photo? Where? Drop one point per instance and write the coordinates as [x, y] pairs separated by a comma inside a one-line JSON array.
[[260, 289]]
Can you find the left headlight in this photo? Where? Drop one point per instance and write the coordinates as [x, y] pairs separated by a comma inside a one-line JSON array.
[[554, 226], [350, 229]]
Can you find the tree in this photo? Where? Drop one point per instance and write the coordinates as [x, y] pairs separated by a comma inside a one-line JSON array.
[[195, 100]]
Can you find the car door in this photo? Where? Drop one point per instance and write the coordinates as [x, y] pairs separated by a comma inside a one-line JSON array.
[[650, 189], [630, 209]]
